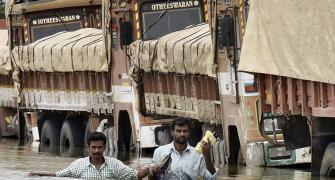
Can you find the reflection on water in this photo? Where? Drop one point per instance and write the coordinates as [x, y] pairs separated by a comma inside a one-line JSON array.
[[16, 160]]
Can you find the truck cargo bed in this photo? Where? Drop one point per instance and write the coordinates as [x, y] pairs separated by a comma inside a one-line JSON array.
[[289, 96], [191, 96], [79, 91]]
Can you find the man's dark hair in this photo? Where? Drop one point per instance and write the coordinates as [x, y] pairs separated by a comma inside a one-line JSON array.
[[180, 122], [96, 136]]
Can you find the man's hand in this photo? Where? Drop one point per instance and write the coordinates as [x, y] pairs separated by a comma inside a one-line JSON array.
[[150, 171], [154, 170], [206, 148]]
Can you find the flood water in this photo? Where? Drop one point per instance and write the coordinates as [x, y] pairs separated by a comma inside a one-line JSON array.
[[17, 160]]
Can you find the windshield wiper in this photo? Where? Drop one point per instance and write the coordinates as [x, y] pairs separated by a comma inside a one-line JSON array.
[[159, 18], [59, 17]]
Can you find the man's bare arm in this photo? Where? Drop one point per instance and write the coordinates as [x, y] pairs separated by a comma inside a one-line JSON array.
[[41, 174]]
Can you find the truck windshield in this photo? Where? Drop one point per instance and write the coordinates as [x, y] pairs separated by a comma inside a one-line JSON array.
[[177, 16], [39, 32], [46, 23]]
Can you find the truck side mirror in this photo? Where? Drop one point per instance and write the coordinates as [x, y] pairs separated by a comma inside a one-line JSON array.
[[226, 32], [126, 32]]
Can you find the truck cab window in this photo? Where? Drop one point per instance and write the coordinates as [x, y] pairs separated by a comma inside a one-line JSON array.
[[39, 32], [48, 23], [159, 18]]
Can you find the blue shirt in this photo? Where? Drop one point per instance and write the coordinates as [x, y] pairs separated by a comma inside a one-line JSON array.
[[188, 165]]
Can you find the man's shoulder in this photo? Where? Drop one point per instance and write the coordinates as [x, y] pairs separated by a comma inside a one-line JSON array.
[[163, 148], [192, 149], [111, 160], [83, 160]]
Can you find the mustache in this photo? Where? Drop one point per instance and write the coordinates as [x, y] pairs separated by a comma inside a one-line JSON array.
[[181, 140], [97, 154], [182, 137]]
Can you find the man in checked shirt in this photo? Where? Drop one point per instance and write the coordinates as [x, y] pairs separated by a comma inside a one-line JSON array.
[[96, 166]]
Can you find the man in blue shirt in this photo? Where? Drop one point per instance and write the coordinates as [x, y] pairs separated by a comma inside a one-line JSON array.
[[186, 163]]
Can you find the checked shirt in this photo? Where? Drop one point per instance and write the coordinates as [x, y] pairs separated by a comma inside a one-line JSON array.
[[111, 168]]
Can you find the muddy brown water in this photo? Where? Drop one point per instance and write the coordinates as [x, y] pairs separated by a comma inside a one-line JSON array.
[[18, 159]]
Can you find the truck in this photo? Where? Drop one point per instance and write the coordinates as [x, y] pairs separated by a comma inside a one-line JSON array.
[[293, 68], [7, 127], [153, 61], [48, 91], [182, 58], [63, 83]]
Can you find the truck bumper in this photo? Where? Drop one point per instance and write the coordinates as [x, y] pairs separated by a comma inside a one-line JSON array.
[[278, 156], [264, 154]]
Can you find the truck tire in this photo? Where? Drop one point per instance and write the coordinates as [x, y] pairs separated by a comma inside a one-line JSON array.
[[328, 161], [20, 126], [88, 131], [71, 138], [50, 136]]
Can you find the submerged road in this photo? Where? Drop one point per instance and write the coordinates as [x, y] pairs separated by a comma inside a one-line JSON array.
[[17, 160]]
